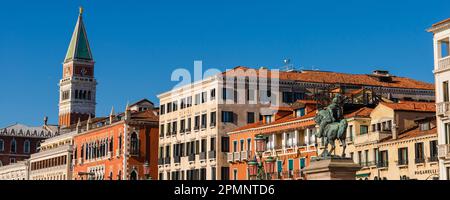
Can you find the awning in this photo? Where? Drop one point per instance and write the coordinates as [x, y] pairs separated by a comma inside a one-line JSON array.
[[362, 175]]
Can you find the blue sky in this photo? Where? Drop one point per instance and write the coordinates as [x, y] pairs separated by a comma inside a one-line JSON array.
[[137, 44]]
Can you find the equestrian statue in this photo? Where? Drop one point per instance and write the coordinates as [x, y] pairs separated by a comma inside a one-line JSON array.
[[332, 126]]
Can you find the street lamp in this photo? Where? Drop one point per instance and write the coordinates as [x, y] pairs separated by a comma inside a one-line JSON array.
[[147, 171], [259, 169]]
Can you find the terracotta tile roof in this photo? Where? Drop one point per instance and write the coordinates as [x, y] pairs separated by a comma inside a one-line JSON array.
[[412, 133], [285, 119], [334, 77], [412, 106], [362, 112]]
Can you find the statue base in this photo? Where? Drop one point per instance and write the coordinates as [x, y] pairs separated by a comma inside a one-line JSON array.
[[332, 168]]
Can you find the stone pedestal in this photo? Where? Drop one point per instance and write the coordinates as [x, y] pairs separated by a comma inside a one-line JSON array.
[[331, 169]]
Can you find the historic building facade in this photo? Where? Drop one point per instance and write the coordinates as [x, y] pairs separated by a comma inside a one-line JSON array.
[[195, 118], [15, 171], [54, 160], [290, 140], [393, 141], [441, 38], [118, 147], [18, 141], [78, 84]]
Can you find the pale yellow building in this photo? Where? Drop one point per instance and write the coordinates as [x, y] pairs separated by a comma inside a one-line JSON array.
[[393, 141]]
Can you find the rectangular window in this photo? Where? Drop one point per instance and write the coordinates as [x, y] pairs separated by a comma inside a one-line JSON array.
[[161, 131], [376, 153], [445, 91], [213, 173], [227, 94], [163, 109], [433, 150], [183, 103], [169, 107], [235, 174], [174, 128], [235, 146], [197, 99], [225, 173], [213, 119], [350, 132], [204, 97], [242, 145], [225, 144], [444, 48], [189, 125], [249, 144], [197, 123], [188, 102], [227, 117], [182, 126], [204, 121], [250, 117], [419, 154], [213, 94], [302, 163], [402, 156], [360, 161], [287, 97], [363, 129], [175, 106], [212, 144]]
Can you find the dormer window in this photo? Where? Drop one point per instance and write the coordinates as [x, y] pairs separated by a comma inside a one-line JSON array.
[[268, 119], [424, 126], [300, 112]]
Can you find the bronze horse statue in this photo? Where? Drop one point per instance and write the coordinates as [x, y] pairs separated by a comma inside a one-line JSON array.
[[331, 131]]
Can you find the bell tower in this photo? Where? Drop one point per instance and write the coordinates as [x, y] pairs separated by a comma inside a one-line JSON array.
[[77, 87]]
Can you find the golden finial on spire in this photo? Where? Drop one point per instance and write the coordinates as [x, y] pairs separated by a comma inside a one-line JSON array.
[[81, 10]]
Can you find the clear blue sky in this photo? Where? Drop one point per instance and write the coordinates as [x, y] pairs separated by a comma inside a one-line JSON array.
[[137, 44]]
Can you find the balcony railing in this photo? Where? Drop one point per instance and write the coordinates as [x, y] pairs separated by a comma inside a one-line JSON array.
[[237, 156], [443, 150], [202, 156], [382, 164], [402, 162], [244, 155], [211, 154], [419, 160], [433, 159], [444, 64], [442, 108], [230, 157], [367, 164]]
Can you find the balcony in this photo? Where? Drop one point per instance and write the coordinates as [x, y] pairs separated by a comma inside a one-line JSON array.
[[237, 156], [372, 136], [442, 109], [202, 156], [211, 154], [443, 151], [191, 158], [443, 64], [230, 157], [367, 164], [245, 155]]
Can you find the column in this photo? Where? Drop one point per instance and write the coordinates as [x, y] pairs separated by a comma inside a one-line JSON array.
[[307, 133], [295, 138]]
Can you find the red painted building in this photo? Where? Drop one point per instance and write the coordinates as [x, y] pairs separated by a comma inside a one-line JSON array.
[[118, 147]]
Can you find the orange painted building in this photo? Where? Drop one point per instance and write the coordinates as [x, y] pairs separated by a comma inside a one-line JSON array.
[[118, 147], [289, 133]]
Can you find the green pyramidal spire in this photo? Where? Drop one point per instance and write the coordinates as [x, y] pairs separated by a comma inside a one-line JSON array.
[[79, 44]]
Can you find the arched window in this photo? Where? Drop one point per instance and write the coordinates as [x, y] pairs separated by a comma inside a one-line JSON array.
[[26, 146], [89, 95], [111, 144], [110, 176], [84, 94], [133, 175], [119, 175], [134, 144], [13, 147], [76, 94], [2, 145]]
